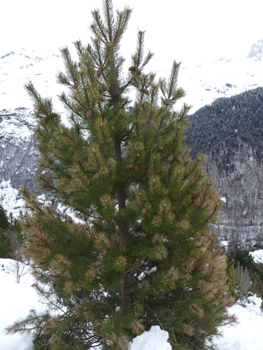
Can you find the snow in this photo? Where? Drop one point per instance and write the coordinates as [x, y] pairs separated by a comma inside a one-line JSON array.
[[10, 198], [247, 334], [16, 300], [154, 339], [18, 68], [257, 256]]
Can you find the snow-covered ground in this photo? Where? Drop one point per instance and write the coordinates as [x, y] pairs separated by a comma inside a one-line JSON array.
[[247, 334], [16, 299]]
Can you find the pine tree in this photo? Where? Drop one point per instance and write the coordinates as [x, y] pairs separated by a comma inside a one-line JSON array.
[[4, 239], [138, 249], [243, 283], [231, 278]]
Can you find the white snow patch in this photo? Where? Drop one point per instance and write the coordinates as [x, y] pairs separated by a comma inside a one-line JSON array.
[[154, 339], [247, 334], [16, 300], [10, 200], [224, 243], [257, 256]]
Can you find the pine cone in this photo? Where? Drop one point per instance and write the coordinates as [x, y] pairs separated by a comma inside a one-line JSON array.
[[99, 72], [112, 128], [144, 211], [134, 135], [66, 273], [104, 252], [89, 114], [153, 124], [109, 141], [160, 148], [189, 330], [144, 121], [146, 91], [136, 168], [101, 98], [170, 158], [96, 176], [166, 101], [96, 111], [130, 166]]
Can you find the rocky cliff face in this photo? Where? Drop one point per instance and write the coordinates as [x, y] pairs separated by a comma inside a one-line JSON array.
[[241, 219], [18, 157]]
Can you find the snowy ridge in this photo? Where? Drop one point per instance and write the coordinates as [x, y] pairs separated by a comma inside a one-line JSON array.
[[18, 67], [210, 80], [203, 81], [256, 51]]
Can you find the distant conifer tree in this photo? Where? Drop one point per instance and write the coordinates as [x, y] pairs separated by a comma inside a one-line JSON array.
[[140, 249], [4, 239], [4, 224]]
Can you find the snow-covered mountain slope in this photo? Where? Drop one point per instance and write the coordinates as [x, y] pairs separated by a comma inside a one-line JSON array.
[[230, 133], [18, 158], [18, 67], [204, 82], [208, 81]]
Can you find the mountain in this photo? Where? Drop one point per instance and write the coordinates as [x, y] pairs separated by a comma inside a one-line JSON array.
[[230, 133], [256, 51], [226, 126], [18, 157]]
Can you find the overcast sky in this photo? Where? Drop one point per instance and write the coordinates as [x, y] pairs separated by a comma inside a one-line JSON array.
[[175, 29]]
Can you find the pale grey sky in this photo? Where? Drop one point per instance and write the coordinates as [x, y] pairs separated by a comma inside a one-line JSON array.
[[175, 29]]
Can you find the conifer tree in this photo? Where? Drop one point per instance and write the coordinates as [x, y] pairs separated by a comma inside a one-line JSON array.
[[139, 249], [4, 239]]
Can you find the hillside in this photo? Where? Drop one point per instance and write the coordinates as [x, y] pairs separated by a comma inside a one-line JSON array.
[[230, 133]]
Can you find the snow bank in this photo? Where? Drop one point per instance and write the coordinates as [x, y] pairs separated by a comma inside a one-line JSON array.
[[16, 299], [154, 339], [248, 333]]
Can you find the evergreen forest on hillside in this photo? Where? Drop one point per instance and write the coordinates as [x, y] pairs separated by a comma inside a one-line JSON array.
[[227, 124]]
